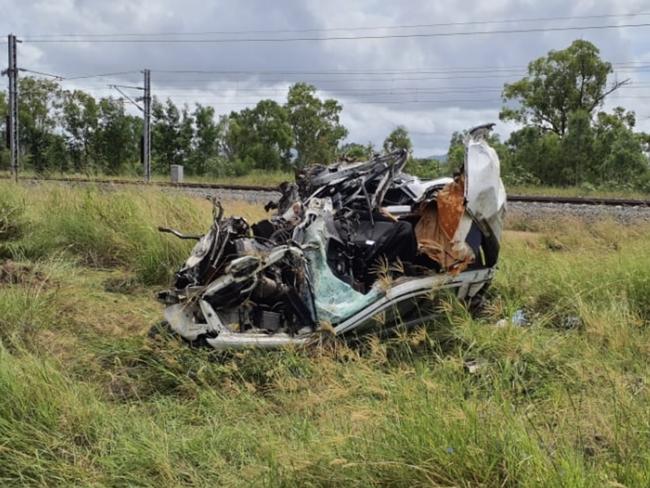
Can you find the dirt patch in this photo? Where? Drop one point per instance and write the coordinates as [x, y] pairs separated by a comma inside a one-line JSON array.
[[12, 273]]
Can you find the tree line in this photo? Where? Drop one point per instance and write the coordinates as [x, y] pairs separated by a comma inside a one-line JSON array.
[[565, 138], [70, 130]]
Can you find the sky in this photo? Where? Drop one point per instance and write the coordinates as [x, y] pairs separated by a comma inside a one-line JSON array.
[[401, 66]]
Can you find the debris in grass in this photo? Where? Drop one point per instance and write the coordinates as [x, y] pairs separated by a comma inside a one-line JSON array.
[[571, 322], [475, 365], [518, 319]]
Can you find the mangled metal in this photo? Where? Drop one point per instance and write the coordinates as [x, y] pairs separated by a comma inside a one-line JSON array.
[[347, 243]]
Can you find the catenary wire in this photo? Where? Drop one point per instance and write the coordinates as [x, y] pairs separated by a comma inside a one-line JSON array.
[[118, 40], [357, 28]]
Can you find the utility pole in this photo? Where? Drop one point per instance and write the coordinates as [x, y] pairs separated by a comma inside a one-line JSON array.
[[146, 136], [12, 126]]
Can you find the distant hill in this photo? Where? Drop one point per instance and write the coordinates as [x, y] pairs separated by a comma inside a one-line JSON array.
[[440, 157]]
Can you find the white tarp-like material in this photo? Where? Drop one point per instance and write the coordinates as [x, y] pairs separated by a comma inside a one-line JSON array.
[[484, 190]]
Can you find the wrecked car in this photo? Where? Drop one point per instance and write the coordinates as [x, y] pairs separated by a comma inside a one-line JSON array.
[[350, 248]]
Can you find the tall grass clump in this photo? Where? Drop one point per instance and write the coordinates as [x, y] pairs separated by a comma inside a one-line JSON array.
[[28, 299], [12, 209], [573, 264], [118, 229], [46, 424], [106, 228]]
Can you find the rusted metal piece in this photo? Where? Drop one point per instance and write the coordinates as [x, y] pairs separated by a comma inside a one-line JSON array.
[[437, 231], [451, 206]]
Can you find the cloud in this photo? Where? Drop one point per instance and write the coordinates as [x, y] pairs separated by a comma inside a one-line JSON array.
[[430, 105]]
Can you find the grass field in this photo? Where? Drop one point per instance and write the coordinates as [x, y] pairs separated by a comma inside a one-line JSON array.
[[87, 399]]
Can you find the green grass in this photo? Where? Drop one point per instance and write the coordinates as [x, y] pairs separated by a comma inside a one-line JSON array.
[[87, 399]]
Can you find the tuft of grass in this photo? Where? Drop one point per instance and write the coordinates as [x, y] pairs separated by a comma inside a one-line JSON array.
[[12, 208], [27, 300]]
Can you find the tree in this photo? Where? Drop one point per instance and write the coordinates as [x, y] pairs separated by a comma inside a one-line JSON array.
[[118, 136], [424, 168], [354, 152], [260, 136], [207, 136], [565, 141], [398, 139], [185, 137], [558, 84], [618, 151], [80, 120], [577, 148], [535, 156], [456, 151], [40, 101], [166, 134], [316, 125]]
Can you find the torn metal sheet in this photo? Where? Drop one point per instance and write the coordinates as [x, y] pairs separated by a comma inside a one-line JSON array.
[[347, 243]]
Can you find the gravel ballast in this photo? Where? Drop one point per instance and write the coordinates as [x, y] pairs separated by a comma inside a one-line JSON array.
[[532, 211]]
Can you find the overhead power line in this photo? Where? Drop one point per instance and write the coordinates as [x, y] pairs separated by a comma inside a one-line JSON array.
[[25, 70], [355, 92], [457, 72], [101, 75], [339, 72], [406, 98], [338, 29], [119, 40], [352, 93], [394, 71], [229, 101], [278, 78], [360, 93]]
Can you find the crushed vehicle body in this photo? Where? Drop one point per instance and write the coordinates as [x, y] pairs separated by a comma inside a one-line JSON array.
[[350, 247]]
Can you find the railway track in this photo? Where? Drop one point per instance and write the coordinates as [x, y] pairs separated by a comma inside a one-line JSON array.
[[610, 202]]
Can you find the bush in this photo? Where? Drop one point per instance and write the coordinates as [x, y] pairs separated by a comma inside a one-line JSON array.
[[225, 168]]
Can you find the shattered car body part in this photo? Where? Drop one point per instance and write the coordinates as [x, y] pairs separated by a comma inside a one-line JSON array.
[[443, 227], [349, 246]]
